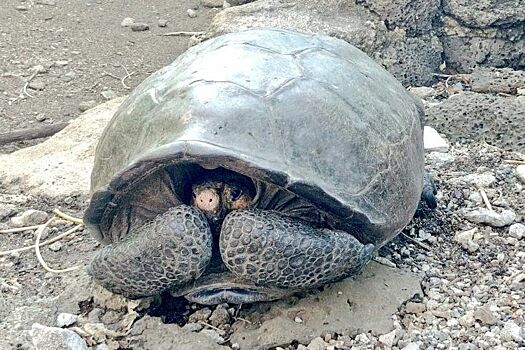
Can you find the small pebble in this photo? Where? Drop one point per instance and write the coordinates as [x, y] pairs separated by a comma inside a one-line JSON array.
[[139, 27], [40, 117], [297, 319], [55, 246], [65, 320], [47, 338], [162, 23], [415, 308], [191, 13], [29, 218], [109, 94], [37, 84], [317, 344], [520, 173], [192, 327], [61, 63], [200, 315], [517, 230], [127, 22], [21, 8]]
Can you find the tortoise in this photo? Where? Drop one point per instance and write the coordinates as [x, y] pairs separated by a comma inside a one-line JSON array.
[[258, 164]]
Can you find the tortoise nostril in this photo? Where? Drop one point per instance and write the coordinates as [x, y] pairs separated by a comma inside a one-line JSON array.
[[211, 200]]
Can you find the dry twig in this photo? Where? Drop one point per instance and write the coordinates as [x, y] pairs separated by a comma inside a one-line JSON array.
[[39, 256], [67, 217], [49, 241], [514, 161], [421, 244], [181, 34], [123, 80], [20, 229], [485, 198]]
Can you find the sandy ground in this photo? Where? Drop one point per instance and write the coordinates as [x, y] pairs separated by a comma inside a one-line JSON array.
[[84, 51]]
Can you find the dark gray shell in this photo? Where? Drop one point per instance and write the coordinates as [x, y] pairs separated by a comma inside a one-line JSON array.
[[312, 114]]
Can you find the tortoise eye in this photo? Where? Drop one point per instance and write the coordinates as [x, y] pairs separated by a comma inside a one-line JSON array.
[[235, 194]]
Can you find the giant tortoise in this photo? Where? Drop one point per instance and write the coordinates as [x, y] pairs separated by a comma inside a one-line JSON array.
[[257, 164]]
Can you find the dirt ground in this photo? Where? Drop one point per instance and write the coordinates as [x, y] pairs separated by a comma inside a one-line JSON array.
[[84, 51]]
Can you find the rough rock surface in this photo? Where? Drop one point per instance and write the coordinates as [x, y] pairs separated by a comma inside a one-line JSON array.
[[486, 32], [481, 117], [61, 165], [409, 37], [151, 334], [497, 80], [53, 338], [349, 307]]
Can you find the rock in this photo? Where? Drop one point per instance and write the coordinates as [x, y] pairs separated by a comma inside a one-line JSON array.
[[191, 13], [69, 76], [422, 92], [212, 3], [53, 338], [512, 332], [415, 308], [65, 158], [85, 105], [109, 94], [29, 218], [496, 80], [6, 210], [297, 319], [37, 84], [40, 117], [150, 333], [139, 27], [192, 327], [349, 307], [485, 316], [61, 63], [212, 334], [317, 344], [200, 315], [481, 117], [388, 339], [433, 141], [65, 319], [520, 173], [55, 246], [490, 217], [517, 230], [127, 22], [219, 316], [468, 239], [162, 23], [21, 8], [411, 346], [46, 2], [440, 159], [483, 180]]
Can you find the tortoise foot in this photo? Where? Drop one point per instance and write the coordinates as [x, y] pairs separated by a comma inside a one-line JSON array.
[[271, 249], [172, 249]]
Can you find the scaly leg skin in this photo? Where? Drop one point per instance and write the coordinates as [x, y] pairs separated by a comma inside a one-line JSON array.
[[271, 249], [171, 250]]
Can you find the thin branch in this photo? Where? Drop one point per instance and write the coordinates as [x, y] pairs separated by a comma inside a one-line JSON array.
[[49, 241], [67, 217], [181, 34], [485, 198], [20, 229], [39, 256], [421, 244]]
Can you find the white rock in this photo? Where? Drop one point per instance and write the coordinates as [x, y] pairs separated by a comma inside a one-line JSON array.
[[468, 239], [126, 22], [439, 159], [191, 13], [55, 246], [520, 173], [422, 91], [490, 217], [64, 319], [388, 339], [517, 230], [317, 344], [28, 218], [53, 338], [433, 141], [109, 94], [479, 180], [213, 335], [512, 332], [362, 338], [411, 346]]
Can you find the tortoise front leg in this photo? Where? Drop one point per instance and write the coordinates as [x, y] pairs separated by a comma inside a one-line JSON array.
[[171, 250], [271, 249]]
